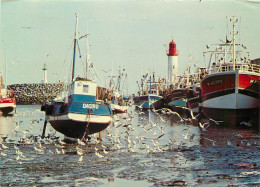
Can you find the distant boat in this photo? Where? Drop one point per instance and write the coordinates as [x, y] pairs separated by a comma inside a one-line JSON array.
[[230, 91], [151, 92], [82, 113], [7, 105], [118, 104], [177, 95], [193, 102], [7, 100]]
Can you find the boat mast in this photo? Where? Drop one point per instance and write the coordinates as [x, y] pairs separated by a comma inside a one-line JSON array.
[[5, 67], [150, 83], [5, 81], [119, 79], [234, 52], [87, 55], [75, 42]]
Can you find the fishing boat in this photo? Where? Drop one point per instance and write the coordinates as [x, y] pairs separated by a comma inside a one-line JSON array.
[[81, 114], [7, 100], [118, 105], [177, 85], [193, 102], [177, 97], [118, 87], [178, 94], [230, 91], [193, 94], [151, 91], [7, 105]]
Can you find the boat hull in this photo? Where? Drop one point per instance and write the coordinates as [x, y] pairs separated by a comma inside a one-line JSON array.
[[231, 97], [178, 102], [7, 105], [193, 104], [119, 107], [76, 126], [73, 119], [146, 101]]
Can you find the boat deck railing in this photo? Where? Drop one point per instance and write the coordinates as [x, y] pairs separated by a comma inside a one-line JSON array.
[[245, 67]]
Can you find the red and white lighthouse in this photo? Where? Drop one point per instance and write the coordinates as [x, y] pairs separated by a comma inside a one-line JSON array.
[[172, 63]]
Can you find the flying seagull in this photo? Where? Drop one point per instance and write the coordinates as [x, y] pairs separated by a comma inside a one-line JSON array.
[[26, 27]]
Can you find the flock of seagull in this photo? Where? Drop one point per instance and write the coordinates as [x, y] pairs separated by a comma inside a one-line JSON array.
[[138, 131]]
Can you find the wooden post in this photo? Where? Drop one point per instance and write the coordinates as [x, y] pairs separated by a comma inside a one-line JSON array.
[[100, 137], [44, 126]]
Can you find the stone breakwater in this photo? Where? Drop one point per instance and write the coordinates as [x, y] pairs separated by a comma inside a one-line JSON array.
[[33, 94]]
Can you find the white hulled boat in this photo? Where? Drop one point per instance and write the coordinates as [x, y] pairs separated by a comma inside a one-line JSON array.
[[118, 104]]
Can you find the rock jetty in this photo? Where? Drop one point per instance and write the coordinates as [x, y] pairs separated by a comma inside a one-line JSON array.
[[36, 94], [33, 94]]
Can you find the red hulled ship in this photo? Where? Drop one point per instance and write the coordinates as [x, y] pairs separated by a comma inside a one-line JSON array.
[[7, 101], [230, 91]]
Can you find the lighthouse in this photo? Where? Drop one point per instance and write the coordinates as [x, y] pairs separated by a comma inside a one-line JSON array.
[[44, 74], [172, 63]]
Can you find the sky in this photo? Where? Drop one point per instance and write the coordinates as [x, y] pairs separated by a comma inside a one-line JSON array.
[[122, 33]]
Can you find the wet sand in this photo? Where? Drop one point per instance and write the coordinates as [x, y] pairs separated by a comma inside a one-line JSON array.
[[138, 148]]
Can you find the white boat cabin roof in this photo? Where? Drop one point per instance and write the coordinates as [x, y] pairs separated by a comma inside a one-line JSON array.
[[83, 86]]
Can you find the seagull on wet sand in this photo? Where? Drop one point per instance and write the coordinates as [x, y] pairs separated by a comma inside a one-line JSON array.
[[97, 154], [186, 135], [39, 150], [4, 146], [80, 159], [104, 151], [3, 154], [80, 151]]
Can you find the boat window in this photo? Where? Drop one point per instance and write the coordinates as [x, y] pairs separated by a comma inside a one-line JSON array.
[[85, 88]]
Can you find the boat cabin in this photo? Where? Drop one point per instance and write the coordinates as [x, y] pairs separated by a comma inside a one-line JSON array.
[[3, 93], [152, 88], [82, 90]]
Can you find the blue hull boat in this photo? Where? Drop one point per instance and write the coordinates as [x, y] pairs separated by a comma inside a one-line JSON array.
[[81, 114], [146, 101]]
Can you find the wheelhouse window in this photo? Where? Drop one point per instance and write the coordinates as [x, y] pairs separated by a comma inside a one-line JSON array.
[[85, 88]]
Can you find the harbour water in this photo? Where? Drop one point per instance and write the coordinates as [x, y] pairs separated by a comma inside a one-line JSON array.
[[138, 148]]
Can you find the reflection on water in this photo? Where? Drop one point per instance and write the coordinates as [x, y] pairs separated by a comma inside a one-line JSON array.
[[7, 128], [138, 148]]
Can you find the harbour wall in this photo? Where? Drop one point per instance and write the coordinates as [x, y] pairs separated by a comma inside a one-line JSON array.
[[33, 94], [36, 94]]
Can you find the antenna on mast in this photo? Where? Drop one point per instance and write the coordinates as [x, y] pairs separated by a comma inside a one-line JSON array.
[[87, 51], [234, 21], [87, 55]]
